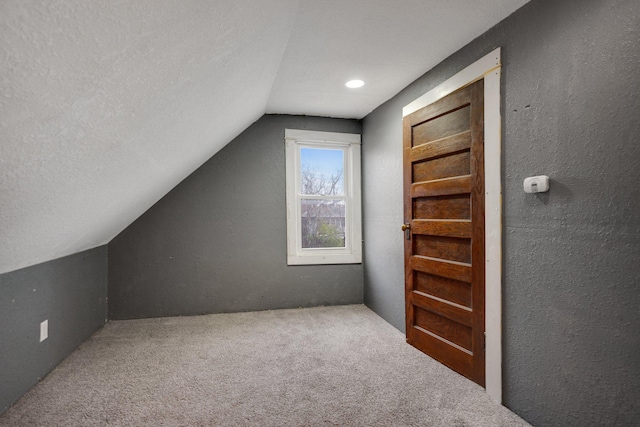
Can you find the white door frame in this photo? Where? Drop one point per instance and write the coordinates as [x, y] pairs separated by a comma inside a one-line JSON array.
[[487, 68]]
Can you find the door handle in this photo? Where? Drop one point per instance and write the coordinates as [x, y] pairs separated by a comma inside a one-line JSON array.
[[407, 231]]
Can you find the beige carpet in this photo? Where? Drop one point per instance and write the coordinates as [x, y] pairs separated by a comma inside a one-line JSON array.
[[326, 366]]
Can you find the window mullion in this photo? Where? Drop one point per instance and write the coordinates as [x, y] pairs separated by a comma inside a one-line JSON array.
[[318, 197]]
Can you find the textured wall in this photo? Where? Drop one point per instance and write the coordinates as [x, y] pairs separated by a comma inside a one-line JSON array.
[[217, 242], [571, 100], [71, 293]]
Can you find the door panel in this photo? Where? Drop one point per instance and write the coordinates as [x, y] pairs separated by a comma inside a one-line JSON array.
[[443, 167], [435, 246], [453, 207], [452, 290], [455, 331], [444, 209], [443, 126]]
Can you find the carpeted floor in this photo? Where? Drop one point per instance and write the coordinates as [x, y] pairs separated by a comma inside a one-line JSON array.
[[326, 366]]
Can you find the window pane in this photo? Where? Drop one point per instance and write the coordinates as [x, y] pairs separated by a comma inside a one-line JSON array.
[[322, 223], [322, 171]]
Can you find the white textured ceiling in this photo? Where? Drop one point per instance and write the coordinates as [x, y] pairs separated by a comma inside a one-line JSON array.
[[107, 105]]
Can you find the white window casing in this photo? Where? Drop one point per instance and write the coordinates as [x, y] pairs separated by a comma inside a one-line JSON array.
[[349, 144]]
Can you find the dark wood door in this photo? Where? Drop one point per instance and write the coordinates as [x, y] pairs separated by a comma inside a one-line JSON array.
[[444, 230]]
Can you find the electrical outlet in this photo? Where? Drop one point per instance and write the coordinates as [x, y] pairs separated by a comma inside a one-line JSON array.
[[44, 330]]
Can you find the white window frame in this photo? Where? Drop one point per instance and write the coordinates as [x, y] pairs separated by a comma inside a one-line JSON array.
[[352, 252]]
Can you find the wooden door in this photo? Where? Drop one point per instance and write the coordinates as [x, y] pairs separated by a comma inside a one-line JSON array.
[[444, 230]]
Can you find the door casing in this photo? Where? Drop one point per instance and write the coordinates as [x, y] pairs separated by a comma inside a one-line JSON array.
[[487, 68]]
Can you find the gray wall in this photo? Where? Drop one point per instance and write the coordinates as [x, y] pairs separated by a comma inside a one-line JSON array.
[[70, 292], [570, 109], [217, 242]]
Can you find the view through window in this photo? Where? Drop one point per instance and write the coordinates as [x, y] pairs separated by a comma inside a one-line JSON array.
[[322, 218]]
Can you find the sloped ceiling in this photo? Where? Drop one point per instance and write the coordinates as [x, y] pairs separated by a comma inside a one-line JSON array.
[[107, 105]]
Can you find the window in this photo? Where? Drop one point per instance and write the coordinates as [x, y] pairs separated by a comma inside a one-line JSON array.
[[323, 197]]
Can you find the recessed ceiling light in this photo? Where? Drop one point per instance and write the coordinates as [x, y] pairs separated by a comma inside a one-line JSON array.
[[354, 84]]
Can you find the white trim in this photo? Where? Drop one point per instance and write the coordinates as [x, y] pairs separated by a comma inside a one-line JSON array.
[[472, 73], [493, 233], [350, 144], [326, 137], [487, 67]]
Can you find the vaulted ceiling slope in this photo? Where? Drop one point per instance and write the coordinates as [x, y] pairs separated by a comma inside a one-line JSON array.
[[107, 105]]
